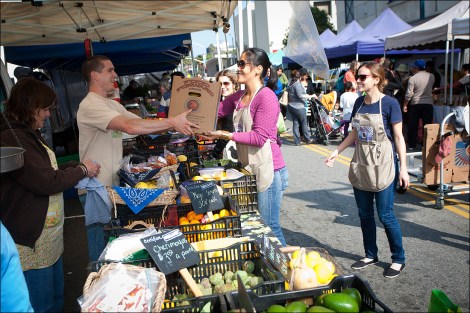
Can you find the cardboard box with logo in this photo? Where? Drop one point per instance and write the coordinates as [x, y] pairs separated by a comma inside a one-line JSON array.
[[199, 95], [456, 163]]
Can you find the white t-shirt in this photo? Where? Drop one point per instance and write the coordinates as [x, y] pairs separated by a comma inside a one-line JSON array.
[[98, 143], [346, 102]]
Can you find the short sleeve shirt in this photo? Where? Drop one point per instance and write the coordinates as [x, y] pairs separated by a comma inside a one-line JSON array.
[[391, 112], [96, 141]]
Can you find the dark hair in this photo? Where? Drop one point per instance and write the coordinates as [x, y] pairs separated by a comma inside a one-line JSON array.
[[231, 75], [387, 64], [348, 85], [27, 96], [279, 68], [257, 56], [180, 74], [378, 71], [93, 64], [466, 67]]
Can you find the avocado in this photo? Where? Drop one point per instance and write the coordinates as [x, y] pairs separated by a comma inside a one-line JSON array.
[[319, 299], [319, 309], [353, 292], [340, 302], [276, 308], [296, 307]]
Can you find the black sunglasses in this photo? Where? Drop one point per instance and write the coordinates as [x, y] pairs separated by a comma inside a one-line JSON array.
[[362, 77], [242, 63], [225, 83]]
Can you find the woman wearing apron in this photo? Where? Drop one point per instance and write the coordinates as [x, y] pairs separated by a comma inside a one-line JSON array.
[[374, 171], [255, 112]]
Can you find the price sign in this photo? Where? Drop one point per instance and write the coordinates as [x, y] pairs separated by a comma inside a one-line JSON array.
[[171, 251], [271, 251], [204, 197]]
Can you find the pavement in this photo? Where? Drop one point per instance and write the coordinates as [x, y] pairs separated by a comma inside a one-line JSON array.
[[319, 210]]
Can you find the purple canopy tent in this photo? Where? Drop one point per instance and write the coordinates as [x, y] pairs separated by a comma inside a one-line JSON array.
[[347, 33], [327, 36]]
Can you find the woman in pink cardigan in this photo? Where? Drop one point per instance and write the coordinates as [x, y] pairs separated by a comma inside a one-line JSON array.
[[255, 113]]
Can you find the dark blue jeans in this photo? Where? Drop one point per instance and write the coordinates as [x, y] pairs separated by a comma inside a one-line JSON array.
[[299, 119], [269, 202], [46, 287], [95, 236], [384, 203]]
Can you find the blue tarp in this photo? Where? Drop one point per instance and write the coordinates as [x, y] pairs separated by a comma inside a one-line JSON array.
[[327, 36], [371, 41], [128, 56]]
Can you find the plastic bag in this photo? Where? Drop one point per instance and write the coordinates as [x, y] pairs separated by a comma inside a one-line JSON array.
[[281, 126], [126, 246], [123, 288]]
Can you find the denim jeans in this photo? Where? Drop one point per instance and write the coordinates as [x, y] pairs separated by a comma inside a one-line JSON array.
[[384, 202], [269, 202], [46, 287], [300, 126], [95, 236]]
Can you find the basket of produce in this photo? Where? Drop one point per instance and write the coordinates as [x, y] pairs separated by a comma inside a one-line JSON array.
[[349, 293], [244, 190], [216, 275], [195, 227], [121, 287]]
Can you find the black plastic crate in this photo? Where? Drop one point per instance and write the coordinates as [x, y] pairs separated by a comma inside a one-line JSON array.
[[228, 226], [264, 301], [168, 141], [129, 146], [244, 190], [230, 258]]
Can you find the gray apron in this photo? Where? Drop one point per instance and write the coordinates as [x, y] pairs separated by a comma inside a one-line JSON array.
[[258, 161], [372, 167]]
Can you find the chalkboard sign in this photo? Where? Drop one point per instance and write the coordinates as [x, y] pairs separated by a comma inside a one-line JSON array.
[[171, 251], [271, 251], [204, 196]]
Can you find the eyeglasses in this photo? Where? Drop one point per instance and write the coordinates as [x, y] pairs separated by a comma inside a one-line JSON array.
[[225, 83], [362, 77], [241, 64]]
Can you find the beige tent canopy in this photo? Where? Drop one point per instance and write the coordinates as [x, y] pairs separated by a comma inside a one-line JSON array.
[[57, 22]]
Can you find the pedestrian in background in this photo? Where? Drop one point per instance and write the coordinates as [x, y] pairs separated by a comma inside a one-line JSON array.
[[32, 196], [283, 98], [418, 102], [346, 102], [374, 171], [255, 113], [296, 108]]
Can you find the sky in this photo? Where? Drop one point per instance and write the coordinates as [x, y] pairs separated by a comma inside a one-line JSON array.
[[202, 39]]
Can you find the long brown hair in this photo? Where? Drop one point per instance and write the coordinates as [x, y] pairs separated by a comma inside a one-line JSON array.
[[27, 96], [231, 75], [378, 71]]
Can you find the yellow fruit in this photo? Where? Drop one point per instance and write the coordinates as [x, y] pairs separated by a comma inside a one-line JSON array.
[[233, 212], [182, 158], [197, 178], [296, 254], [183, 219], [185, 200], [313, 258], [216, 216], [324, 271], [194, 221], [224, 213], [142, 185], [184, 222], [205, 176], [192, 164]]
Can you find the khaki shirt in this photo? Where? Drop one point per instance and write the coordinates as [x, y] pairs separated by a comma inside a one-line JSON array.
[[98, 143]]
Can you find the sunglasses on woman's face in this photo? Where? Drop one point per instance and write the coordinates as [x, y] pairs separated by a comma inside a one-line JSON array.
[[242, 63], [362, 77]]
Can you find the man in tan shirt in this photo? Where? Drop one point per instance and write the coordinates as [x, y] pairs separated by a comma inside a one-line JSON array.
[[101, 122]]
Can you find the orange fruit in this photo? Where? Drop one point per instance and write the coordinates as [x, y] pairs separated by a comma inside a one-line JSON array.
[[224, 213], [233, 212], [183, 219], [184, 222], [194, 221], [191, 215], [199, 216]]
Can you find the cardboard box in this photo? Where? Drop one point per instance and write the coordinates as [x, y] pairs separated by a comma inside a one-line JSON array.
[[201, 96], [456, 164]]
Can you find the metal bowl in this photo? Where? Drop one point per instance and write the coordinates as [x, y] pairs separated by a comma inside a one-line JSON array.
[[11, 158]]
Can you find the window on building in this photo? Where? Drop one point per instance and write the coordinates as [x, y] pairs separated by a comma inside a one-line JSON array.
[[349, 11]]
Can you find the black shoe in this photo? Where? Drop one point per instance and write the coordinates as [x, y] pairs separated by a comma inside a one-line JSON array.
[[392, 273], [361, 264], [311, 141]]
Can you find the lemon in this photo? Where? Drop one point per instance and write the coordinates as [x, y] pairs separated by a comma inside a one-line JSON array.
[[141, 185], [216, 216], [192, 164], [182, 158], [224, 213], [205, 176], [325, 271], [296, 254], [197, 178]]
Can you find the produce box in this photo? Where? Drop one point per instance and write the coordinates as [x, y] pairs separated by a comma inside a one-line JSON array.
[[215, 261], [245, 191], [175, 143], [369, 301], [168, 217]]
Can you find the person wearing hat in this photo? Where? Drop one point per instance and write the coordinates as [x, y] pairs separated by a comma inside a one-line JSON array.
[[403, 71], [418, 101]]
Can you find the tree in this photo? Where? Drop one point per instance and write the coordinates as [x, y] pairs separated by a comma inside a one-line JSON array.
[[321, 19]]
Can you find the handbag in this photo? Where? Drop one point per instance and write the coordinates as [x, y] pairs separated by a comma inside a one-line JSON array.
[[284, 98], [281, 126]]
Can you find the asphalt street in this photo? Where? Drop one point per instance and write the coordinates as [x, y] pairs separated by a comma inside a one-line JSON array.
[[319, 210]]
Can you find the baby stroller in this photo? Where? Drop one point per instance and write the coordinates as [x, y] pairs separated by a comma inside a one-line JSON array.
[[322, 126]]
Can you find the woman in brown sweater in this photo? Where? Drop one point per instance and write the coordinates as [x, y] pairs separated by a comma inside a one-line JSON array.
[[32, 205]]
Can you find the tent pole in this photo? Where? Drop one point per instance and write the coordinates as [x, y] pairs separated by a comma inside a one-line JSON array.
[[240, 28], [451, 90], [226, 50], [357, 57], [446, 72], [218, 49], [192, 62]]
